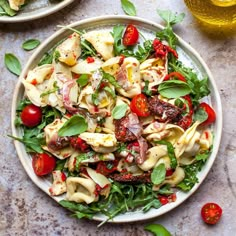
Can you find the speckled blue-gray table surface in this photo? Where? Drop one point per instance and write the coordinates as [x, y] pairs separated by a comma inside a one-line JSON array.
[[26, 210]]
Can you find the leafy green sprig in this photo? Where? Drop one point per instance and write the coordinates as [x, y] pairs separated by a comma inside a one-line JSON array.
[[33, 138]]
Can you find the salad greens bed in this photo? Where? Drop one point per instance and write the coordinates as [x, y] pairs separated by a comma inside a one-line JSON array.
[[123, 197]]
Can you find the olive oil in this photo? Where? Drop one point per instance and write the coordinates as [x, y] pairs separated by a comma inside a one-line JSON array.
[[214, 12]]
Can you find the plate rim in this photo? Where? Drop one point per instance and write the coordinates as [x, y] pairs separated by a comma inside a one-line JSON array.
[[19, 18], [219, 122]]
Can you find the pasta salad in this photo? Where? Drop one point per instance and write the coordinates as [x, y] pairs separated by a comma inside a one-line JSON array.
[[117, 120]]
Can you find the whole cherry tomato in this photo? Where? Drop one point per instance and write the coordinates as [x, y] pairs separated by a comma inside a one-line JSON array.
[[139, 105], [131, 36], [211, 213], [210, 112], [43, 163], [31, 115]]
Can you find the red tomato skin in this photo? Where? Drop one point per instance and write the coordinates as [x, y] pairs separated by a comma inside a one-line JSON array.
[[210, 112], [178, 75], [211, 213], [131, 36], [31, 115], [102, 167], [163, 200], [139, 105], [43, 164]]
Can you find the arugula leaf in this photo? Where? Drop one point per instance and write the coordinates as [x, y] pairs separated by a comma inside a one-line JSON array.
[[74, 126], [119, 111], [56, 56], [111, 79], [157, 230], [12, 63], [55, 88], [158, 174], [117, 33], [30, 44], [155, 203], [171, 153], [203, 155], [167, 33], [6, 8], [110, 91], [146, 90], [165, 190], [82, 80], [199, 88], [60, 164], [173, 89], [128, 7], [32, 144], [190, 175]]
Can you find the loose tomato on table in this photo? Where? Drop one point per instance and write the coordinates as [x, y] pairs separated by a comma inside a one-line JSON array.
[[31, 115], [43, 164], [139, 105], [211, 213], [131, 36], [210, 112]]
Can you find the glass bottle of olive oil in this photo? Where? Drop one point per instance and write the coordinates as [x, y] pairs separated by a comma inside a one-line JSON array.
[[214, 12]]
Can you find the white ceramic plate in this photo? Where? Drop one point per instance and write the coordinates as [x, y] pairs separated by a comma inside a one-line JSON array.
[[36, 9], [187, 54]]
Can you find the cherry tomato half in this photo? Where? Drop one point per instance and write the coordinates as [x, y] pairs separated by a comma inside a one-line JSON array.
[[31, 115], [139, 105], [211, 213], [131, 35], [210, 112], [175, 75], [43, 163]]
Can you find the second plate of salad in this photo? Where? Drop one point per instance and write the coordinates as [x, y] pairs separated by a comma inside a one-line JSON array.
[[117, 118], [12, 11]]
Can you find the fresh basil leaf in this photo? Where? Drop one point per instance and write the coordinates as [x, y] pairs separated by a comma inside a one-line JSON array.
[[173, 89], [169, 17], [74, 126], [158, 174], [82, 80], [200, 115], [157, 230], [30, 44], [12, 63], [128, 7], [171, 152], [117, 34], [119, 111]]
